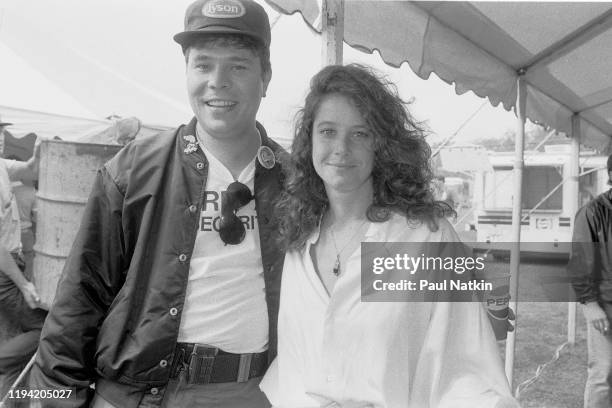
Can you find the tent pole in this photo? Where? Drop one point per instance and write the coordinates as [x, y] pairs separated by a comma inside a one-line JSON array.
[[515, 254], [332, 19], [574, 190]]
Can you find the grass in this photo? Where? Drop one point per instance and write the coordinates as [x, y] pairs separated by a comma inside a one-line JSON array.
[[541, 329]]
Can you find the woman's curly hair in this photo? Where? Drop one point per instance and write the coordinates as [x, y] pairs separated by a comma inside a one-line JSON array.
[[401, 175]]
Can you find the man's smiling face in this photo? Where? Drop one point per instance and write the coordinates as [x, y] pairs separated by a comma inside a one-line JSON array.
[[225, 85]]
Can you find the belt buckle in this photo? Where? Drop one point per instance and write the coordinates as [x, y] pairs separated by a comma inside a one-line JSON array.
[[200, 367]]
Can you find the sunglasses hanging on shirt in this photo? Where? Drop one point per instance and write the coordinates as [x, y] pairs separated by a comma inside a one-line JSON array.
[[231, 229]]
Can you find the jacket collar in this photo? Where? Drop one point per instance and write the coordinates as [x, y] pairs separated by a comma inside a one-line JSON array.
[[267, 155]]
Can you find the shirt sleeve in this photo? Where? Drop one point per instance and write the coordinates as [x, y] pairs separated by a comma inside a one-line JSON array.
[[92, 276], [459, 365], [5, 193], [10, 166], [583, 265]]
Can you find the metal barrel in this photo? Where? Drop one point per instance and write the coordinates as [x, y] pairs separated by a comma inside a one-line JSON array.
[[66, 176]]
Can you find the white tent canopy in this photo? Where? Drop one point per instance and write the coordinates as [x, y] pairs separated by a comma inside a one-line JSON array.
[[561, 49], [100, 58], [49, 125], [33, 102], [83, 50]]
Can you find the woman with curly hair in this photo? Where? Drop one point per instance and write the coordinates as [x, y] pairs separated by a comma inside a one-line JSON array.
[[359, 172]]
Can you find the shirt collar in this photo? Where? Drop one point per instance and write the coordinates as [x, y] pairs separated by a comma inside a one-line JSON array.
[[199, 135], [314, 237], [374, 233]]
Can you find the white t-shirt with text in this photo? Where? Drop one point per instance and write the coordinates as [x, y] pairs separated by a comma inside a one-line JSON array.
[[225, 303]]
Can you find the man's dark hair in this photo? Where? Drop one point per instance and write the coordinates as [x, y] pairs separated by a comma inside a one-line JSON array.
[[233, 40]]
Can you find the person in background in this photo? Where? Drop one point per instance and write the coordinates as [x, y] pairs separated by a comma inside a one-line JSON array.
[[25, 194], [19, 299], [590, 268]]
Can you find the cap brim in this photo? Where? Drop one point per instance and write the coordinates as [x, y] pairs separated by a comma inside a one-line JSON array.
[[187, 37], [5, 124]]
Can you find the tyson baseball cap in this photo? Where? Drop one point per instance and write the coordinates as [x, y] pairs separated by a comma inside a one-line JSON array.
[[225, 17]]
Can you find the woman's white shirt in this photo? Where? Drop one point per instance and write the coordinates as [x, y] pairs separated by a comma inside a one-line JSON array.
[[337, 349]]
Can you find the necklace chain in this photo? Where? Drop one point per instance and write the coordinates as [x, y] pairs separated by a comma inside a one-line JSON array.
[[337, 267]]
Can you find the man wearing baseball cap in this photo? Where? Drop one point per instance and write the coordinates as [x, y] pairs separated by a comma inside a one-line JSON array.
[[590, 268], [168, 298]]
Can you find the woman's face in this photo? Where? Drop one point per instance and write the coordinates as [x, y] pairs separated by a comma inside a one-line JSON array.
[[342, 145]]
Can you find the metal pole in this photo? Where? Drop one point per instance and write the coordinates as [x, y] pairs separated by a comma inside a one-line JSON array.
[[456, 132], [332, 30], [517, 198], [19, 379], [543, 142], [574, 189]]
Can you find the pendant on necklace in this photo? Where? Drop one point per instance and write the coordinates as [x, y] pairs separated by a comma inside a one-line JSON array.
[[336, 269]]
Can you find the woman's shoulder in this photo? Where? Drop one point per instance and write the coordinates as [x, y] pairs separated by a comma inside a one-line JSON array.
[[400, 228], [447, 231]]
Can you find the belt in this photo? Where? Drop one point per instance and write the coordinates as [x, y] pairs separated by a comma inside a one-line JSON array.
[[205, 365]]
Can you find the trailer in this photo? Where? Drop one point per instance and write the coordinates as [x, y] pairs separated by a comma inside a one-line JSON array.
[[547, 218]]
